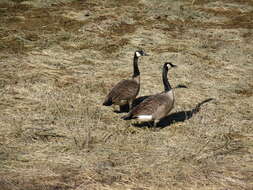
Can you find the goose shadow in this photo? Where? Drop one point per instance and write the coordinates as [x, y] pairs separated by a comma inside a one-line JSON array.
[[125, 108], [180, 116]]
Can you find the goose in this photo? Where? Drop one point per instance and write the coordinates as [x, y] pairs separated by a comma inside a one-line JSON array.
[[125, 91], [156, 106]]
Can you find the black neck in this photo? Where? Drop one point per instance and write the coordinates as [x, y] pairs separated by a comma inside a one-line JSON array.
[[166, 83], [136, 69]]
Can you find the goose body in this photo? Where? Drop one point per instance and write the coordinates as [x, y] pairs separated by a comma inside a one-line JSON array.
[[156, 106], [125, 91]]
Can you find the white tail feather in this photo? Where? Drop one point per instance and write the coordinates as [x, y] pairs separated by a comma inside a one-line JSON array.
[[145, 117]]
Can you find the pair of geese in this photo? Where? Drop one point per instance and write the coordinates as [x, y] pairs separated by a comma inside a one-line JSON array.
[[153, 108]]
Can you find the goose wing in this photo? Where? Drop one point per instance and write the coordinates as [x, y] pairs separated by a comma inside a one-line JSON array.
[[149, 106], [123, 90]]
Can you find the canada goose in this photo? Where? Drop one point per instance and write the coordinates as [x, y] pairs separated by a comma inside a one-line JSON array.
[[156, 106], [125, 91]]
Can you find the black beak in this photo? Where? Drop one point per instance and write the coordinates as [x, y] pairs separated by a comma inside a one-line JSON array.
[[145, 54], [172, 65]]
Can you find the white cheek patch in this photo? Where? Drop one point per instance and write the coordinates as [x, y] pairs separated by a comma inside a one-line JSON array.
[[145, 117], [138, 54]]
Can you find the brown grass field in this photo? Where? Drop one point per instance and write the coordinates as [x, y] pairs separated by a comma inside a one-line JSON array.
[[59, 59]]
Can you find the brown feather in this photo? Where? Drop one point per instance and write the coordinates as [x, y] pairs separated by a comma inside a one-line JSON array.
[[124, 90], [157, 105]]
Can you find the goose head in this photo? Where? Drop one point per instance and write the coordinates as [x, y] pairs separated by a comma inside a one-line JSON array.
[[140, 53], [168, 65]]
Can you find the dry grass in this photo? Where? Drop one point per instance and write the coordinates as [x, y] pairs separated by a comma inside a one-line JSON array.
[[59, 58]]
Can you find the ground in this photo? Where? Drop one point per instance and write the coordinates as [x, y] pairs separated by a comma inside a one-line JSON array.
[[59, 59]]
